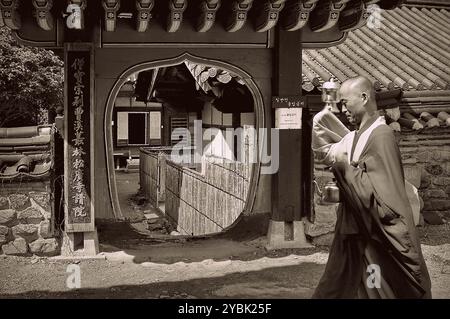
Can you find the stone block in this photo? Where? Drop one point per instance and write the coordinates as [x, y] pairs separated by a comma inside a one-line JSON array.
[[409, 161], [42, 199], [434, 169], [3, 234], [434, 193], [441, 181], [427, 205], [4, 203], [425, 180], [31, 215], [432, 218], [27, 232], [441, 204], [8, 217], [44, 247], [19, 201], [435, 156], [423, 156], [445, 156], [45, 229], [18, 247], [447, 168]]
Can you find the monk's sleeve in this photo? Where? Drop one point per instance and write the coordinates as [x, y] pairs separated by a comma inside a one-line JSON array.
[[327, 132], [379, 175]]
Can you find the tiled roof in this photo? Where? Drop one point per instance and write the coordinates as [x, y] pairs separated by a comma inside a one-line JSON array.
[[26, 152], [410, 51]]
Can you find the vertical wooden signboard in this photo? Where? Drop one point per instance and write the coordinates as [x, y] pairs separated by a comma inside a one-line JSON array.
[[79, 193]]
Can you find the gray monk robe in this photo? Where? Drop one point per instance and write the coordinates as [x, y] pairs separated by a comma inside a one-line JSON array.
[[374, 223]]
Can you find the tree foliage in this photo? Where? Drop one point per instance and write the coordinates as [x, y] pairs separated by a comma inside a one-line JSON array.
[[31, 80]]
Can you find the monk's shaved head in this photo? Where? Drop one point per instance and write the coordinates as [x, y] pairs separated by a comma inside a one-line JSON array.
[[358, 99], [358, 85]]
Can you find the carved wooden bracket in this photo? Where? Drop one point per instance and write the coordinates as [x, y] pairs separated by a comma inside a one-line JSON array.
[[237, 15], [11, 17], [176, 10], [326, 14], [355, 15], [208, 15], [296, 14], [43, 16], [111, 7], [268, 14], [144, 8]]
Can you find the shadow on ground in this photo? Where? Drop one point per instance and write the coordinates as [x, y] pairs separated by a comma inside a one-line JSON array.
[[287, 282], [124, 241]]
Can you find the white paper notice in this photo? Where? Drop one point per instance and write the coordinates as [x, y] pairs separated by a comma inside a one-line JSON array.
[[288, 118]]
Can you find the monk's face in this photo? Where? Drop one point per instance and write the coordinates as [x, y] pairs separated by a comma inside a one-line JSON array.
[[352, 104]]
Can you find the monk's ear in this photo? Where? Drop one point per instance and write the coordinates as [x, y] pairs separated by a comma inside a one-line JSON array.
[[364, 97]]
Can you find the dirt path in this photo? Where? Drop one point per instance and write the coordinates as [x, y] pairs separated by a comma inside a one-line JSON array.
[[197, 269]]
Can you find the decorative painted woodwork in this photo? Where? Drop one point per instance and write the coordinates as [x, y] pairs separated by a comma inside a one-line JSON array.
[[326, 14], [111, 7], [44, 17], [175, 18], [356, 14], [237, 15], [296, 14], [10, 15], [207, 17], [144, 8], [268, 14]]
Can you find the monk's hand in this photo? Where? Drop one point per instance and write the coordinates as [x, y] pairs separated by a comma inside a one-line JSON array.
[[341, 157]]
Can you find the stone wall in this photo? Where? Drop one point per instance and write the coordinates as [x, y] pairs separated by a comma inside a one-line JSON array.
[[426, 161], [26, 219]]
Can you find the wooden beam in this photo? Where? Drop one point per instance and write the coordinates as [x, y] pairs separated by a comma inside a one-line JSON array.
[[176, 9], [111, 7], [144, 8], [267, 14], [296, 14], [10, 14], [237, 14], [326, 14], [207, 17]]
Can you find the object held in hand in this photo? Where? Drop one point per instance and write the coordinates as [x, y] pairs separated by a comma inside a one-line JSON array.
[[330, 193], [330, 95]]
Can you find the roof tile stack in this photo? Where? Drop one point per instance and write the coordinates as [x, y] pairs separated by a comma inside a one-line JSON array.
[[26, 152]]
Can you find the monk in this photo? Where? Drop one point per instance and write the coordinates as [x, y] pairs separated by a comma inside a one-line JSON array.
[[376, 251]]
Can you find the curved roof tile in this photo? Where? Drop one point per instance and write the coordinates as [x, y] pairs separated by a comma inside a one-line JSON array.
[[409, 51]]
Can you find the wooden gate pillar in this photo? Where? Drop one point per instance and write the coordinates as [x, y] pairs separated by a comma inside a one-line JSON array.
[[286, 229], [79, 194]]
